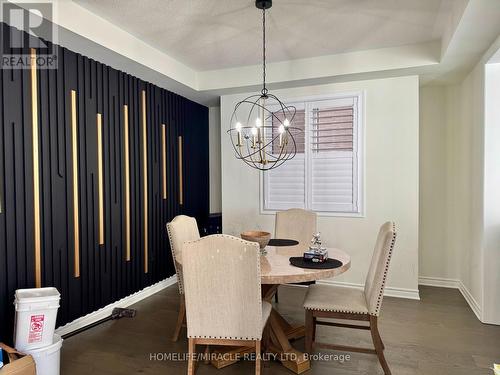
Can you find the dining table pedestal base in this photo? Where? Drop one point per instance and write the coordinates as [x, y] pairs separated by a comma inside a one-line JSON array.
[[280, 333], [275, 342]]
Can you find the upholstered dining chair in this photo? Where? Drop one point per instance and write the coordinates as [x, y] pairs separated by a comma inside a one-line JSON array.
[[295, 224], [223, 294], [324, 301], [181, 229]]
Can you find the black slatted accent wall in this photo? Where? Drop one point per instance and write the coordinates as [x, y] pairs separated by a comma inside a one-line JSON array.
[[105, 275]]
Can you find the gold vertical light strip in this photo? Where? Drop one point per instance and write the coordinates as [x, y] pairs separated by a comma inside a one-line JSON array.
[[145, 179], [164, 158], [127, 183], [181, 183], [100, 181], [74, 153], [36, 171]]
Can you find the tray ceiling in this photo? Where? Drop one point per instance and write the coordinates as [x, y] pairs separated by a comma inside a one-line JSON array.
[[209, 34]]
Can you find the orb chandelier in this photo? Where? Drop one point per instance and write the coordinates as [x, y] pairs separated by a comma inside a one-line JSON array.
[[261, 128]]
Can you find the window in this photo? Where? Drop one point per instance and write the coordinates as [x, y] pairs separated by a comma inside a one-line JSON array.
[[326, 174]]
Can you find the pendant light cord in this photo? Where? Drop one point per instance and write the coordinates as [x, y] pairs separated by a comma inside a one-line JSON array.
[[264, 89]]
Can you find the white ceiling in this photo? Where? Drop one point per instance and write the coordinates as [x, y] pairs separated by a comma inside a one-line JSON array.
[[203, 49], [218, 34]]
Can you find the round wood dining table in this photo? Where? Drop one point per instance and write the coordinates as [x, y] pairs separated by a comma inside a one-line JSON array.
[[275, 270]]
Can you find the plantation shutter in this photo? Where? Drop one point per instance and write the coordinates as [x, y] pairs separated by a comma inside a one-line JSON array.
[[284, 187], [333, 155], [323, 176]]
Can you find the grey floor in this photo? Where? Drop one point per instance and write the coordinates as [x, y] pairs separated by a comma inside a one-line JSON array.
[[438, 335]]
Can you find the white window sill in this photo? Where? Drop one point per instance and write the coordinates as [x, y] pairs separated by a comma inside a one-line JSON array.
[[323, 214]]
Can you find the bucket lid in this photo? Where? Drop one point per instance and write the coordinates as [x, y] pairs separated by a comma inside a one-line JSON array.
[[37, 294]]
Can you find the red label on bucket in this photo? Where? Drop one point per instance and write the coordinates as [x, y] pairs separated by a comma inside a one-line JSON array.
[[36, 328]]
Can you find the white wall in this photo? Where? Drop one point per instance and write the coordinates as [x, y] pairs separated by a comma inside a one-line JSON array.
[[437, 260], [460, 185], [391, 175], [466, 179], [491, 242], [451, 185], [451, 149], [474, 183], [214, 131]]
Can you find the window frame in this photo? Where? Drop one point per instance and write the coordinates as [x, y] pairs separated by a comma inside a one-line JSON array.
[[359, 124]]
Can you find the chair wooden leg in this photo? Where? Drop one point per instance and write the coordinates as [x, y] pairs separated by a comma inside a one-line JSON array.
[[310, 331], [180, 318], [192, 351], [207, 355], [266, 337], [314, 330], [257, 357], [379, 345]]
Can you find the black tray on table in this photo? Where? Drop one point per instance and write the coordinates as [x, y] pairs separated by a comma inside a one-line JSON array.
[[282, 242], [328, 264]]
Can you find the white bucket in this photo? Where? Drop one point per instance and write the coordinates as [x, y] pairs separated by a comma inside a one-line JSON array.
[[36, 313], [48, 358]]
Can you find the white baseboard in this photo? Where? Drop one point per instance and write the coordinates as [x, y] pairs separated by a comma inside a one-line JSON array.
[[455, 284], [439, 282], [471, 301], [389, 291], [106, 310]]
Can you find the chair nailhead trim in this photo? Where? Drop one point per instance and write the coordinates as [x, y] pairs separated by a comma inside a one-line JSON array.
[[381, 293], [336, 310], [225, 337], [180, 283]]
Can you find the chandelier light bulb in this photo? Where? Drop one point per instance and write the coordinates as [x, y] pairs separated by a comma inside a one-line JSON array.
[[254, 134], [281, 130], [258, 122], [238, 128], [286, 123]]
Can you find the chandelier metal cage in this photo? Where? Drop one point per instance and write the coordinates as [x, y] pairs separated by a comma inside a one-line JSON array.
[[261, 127]]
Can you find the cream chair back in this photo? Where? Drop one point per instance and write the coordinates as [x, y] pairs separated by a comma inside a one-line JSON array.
[[181, 229], [296, 224], [222, 288], [379, 267]]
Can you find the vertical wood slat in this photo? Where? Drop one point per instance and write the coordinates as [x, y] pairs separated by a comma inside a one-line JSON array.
[[74, 154], [181, 175], [164, 159], [36, 171], [1, 174], [145, 178], [127, 182], [100, 180]]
